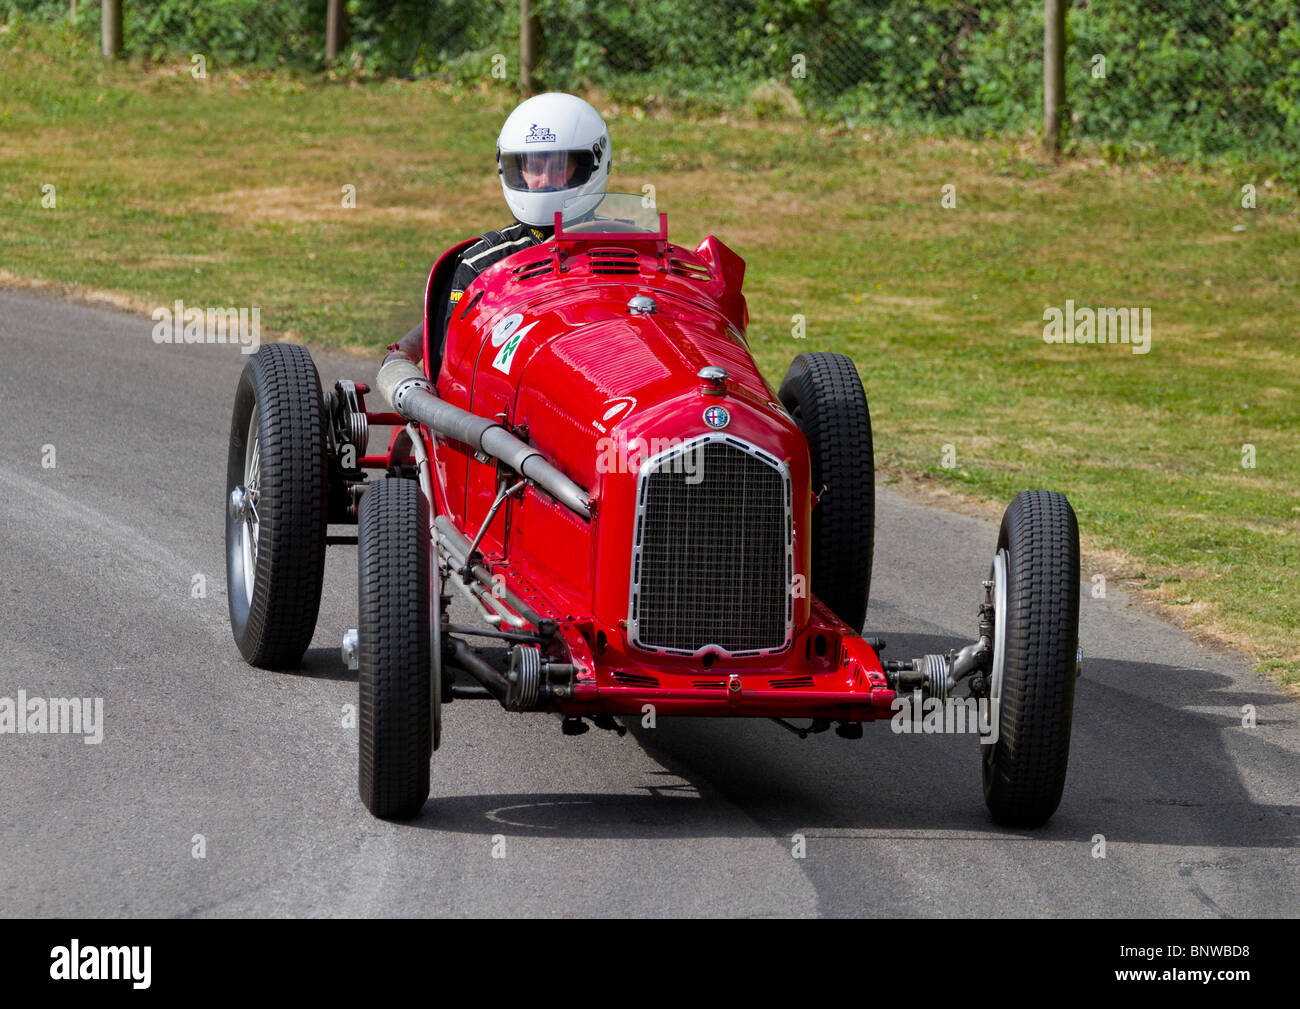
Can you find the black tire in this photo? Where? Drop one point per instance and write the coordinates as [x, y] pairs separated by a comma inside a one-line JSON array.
[[1024, 770], [275, 565], [393, 630], [824, 395]]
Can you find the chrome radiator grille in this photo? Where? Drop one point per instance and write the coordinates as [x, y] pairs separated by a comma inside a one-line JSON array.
[[712, 550]]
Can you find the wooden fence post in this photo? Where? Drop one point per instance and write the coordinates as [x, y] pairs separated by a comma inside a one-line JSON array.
[[111, 24], [334, 15], [527, 46], [1053, 74]]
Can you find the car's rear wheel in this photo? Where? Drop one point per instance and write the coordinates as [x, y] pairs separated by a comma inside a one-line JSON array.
[[824, 395], [393, 649], [276, 482], [1035, 578]]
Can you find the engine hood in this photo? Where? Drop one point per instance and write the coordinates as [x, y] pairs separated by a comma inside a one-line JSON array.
[[604, 399], [628, 384]]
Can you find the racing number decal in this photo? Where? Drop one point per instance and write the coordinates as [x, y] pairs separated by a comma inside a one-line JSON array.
[[507, 335], [504, 328]]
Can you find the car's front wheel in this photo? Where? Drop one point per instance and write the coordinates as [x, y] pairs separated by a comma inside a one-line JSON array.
[[393, 649], [1035, 589]]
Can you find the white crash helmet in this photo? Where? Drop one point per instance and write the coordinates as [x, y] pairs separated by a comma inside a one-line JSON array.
[[557, 135]]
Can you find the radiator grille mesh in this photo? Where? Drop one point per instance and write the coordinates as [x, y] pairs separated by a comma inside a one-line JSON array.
[[712, 554]]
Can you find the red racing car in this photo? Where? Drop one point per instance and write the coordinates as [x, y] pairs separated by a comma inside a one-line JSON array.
[[645, 528]]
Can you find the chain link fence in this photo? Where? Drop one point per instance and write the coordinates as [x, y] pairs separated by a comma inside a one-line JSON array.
[[1179, 77]]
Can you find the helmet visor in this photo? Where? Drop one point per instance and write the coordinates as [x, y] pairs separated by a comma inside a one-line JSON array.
[[546, 171]]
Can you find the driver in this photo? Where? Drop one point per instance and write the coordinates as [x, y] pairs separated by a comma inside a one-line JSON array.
[[552, 149]]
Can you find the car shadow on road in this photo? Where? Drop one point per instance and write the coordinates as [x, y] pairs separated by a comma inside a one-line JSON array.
[[1155, 758], [324, 664]]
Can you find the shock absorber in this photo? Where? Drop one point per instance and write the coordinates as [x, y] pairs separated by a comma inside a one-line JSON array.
[[534, 679], [929, 674], [938, 675]]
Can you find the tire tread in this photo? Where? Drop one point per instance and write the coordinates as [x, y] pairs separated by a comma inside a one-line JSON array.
[[395, 734], [292, 512], [1025, 769]]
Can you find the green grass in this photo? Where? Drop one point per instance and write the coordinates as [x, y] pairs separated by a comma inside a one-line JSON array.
[[228, 192]]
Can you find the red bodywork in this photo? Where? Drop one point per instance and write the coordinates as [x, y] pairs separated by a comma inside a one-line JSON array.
[[586, 370]]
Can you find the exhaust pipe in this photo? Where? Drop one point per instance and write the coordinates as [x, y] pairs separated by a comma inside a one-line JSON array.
[[404, 385]]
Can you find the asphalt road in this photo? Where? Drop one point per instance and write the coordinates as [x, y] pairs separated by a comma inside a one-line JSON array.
[[98, 569]]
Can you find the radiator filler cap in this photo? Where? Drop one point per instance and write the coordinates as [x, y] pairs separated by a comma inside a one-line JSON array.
[[713, 380]]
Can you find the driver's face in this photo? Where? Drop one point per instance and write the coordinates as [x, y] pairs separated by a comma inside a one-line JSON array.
[[551, 170]]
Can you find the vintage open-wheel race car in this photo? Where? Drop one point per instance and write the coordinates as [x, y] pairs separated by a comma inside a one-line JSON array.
[[595, 464]]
